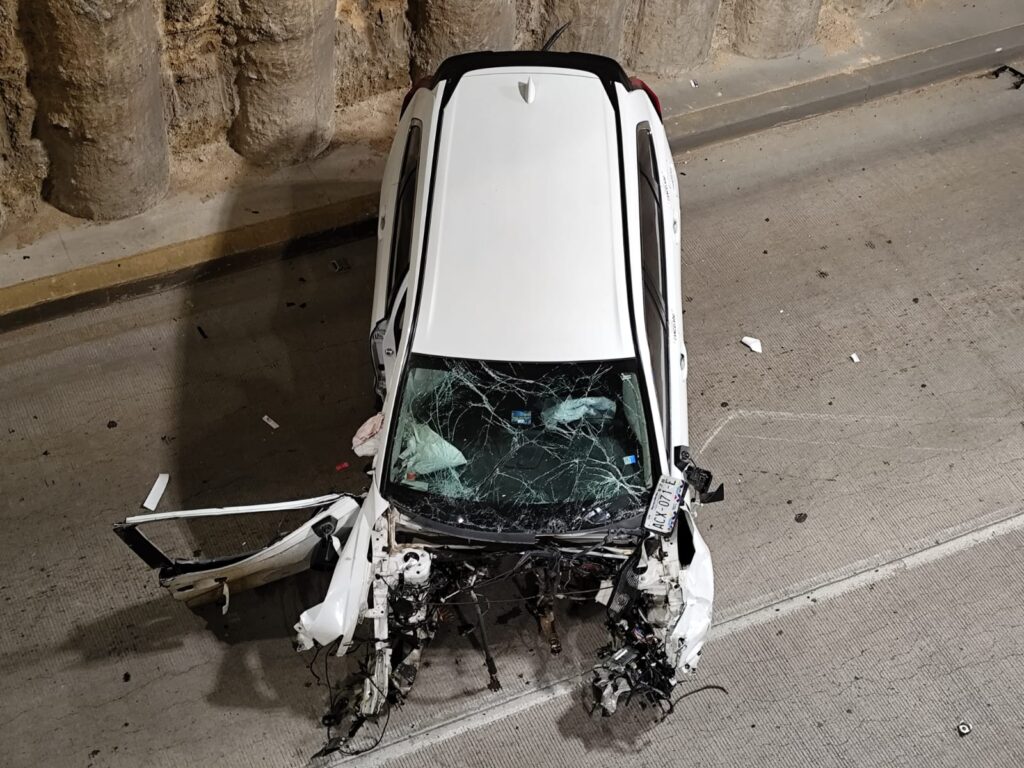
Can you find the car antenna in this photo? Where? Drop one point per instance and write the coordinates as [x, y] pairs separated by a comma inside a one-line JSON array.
[[555, 35]]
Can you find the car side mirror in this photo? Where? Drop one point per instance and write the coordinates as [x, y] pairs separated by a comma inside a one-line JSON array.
[[698, 479]]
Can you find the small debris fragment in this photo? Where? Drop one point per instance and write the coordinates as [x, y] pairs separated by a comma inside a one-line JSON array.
[[822, 274], [111, 424], [126, 676], [855, 358], [341, 466], [963, 728], [157, 492], [270, 422], [800, 517], [693, 84], [752, 343], [202, 332]]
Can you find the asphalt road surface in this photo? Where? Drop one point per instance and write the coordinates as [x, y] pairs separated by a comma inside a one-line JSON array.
[[868, 555]]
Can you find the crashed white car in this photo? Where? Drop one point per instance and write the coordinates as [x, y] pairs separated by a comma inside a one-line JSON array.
[[527, 337]]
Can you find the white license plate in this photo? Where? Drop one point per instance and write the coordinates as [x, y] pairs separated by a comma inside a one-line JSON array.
[[664, 506]]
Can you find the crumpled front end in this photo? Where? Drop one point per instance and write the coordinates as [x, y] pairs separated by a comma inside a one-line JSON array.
[[659, 615]]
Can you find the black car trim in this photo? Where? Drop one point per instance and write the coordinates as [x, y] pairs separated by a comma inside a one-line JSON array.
[[607, 70]]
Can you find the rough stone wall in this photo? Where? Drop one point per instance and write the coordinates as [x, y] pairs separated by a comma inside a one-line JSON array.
[[198, 86], [372, 48], [284, 58], [96, 94], [22, 159], [770, 29], [95, 68], [597, 27], [531, 16], [670, 36], [863, 8], [441, 28]]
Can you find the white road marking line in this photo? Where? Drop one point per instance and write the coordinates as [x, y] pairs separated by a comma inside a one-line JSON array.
[[847, 444], [948, 542], [714, 432], [841, 417]]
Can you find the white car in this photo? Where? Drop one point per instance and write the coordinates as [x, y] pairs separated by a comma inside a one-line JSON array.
[[527, 336]]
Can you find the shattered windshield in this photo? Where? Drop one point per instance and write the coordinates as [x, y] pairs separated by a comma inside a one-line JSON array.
[[534, 447]]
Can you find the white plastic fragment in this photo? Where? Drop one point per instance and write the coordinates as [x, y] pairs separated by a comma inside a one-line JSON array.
[[754, 344], [270, 422], [855, 358], [693, 84], [157, 492]]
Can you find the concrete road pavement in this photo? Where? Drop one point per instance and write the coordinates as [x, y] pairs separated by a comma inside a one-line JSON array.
[[860, 636]]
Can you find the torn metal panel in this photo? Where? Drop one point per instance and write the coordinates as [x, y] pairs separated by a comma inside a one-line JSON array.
[[196, 581]]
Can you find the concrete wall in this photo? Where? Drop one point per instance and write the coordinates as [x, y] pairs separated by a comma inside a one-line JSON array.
[[98, 95]]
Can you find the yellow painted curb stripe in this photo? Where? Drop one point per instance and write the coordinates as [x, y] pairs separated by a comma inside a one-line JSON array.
[[176, 257]]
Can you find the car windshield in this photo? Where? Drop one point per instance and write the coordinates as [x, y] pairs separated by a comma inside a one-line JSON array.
[[535, 447]]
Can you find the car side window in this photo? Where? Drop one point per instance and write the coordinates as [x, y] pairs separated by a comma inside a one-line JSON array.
[[405, 206], [652, 265]]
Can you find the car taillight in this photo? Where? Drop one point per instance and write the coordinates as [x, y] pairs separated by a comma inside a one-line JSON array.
[[636, 82], [423, 82]]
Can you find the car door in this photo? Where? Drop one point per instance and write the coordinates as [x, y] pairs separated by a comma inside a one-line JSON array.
[[203, 579]]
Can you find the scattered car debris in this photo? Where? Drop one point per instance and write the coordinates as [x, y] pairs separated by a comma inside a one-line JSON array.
[[855, 357], [157, 492], [963, 728], [800, 517], [752, 343], [270, 422], [693, 84], [341, 466], [111, 424], [202, 332], [1018, 76]]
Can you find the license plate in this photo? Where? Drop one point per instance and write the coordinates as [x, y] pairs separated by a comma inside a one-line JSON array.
[[664, 506]]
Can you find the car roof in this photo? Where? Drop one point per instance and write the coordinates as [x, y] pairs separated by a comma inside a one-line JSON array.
[[525, 257]]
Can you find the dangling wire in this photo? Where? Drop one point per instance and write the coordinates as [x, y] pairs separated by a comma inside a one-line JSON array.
[[555, 35]]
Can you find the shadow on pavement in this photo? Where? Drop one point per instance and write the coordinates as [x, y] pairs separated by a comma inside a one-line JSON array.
[[286, 339]]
